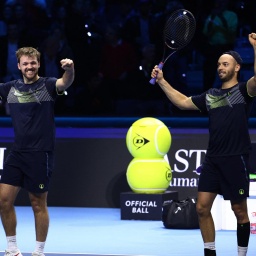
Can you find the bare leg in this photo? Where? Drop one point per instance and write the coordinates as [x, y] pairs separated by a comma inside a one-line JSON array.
[[8, 194], [204, 205], [39, 205], [240, 211]]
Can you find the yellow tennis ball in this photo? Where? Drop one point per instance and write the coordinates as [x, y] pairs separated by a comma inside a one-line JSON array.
[[148, 138], [149, 176]]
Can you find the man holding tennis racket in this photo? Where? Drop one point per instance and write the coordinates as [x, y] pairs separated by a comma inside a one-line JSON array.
[[225, 167], [30, 162]]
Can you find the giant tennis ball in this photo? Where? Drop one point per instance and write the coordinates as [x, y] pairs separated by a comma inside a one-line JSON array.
[[149, 176], [148, 138]]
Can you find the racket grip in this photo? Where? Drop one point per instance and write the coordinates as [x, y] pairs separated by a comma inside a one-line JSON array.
[[160, 66]]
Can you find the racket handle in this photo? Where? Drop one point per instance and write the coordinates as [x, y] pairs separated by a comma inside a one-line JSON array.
[[160, 66]]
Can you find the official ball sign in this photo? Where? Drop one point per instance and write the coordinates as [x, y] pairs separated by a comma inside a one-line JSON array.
[[136, 206]]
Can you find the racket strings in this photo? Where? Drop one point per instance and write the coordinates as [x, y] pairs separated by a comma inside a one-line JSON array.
[[178, 32], [179, 29]]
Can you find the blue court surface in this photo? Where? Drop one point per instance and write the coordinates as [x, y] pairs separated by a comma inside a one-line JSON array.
[[100, 231], [78, 254]]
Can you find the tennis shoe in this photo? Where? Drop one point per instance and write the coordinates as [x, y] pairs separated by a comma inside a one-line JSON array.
[[37, 254], [12, 253]]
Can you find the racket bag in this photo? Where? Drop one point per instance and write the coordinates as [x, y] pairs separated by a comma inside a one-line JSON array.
[[180, 214]]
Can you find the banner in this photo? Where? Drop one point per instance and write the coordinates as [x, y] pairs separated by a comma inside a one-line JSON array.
[[91, 163]]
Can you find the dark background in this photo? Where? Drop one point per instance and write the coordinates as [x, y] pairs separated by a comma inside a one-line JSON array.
[[58, 28]]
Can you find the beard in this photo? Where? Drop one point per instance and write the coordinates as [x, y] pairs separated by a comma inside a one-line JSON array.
[[30, 77], [228, 76]]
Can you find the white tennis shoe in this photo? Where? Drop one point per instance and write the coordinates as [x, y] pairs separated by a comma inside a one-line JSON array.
[[37, 254], [12, 253]]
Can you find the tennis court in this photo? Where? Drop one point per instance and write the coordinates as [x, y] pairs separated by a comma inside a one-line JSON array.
[[100, 231]]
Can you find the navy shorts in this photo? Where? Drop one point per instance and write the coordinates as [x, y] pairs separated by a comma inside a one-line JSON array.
[[29, 170], [225, 175]]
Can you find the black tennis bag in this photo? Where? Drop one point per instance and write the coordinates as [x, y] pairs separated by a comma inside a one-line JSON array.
[[180, 214]]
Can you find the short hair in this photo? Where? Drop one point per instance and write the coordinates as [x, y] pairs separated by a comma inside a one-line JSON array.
[[28, 51]]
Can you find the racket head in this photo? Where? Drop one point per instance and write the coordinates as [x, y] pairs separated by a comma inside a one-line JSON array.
[[179, 29]]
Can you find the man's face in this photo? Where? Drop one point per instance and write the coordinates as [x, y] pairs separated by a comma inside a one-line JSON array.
[[29, 68], [227, 67]]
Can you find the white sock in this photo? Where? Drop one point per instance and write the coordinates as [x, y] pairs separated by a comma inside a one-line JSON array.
[[11, 243], [242, 251], [39, 247], [210, 245]]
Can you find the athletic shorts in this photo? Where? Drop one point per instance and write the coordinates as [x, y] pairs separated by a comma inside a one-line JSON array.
[[29, 170], [225, 175]]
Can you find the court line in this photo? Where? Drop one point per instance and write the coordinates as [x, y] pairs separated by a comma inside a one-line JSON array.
[[85, 254]]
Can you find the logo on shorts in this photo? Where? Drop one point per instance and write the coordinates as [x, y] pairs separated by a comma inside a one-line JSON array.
[[41, 186], [241, 191]]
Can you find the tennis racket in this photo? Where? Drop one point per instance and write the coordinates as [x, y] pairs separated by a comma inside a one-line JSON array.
[[178, 31]]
